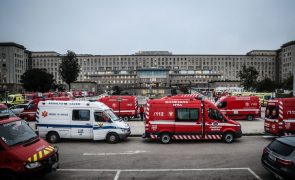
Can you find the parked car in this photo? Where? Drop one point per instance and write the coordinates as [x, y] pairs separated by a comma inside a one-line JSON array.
[[17, 109], [279, 157]]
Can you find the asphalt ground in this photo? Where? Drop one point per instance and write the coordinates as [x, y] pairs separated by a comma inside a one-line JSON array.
[[136, 158]]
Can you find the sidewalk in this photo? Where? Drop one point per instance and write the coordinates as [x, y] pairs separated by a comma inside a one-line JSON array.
[[255, 127]]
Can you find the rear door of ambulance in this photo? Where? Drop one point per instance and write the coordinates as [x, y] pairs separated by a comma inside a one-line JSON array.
[[81, 125]]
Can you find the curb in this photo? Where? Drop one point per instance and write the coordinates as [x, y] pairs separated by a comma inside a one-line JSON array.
[[246, 134]]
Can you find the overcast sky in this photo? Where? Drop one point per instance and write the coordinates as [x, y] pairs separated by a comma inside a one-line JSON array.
[[127, 26]]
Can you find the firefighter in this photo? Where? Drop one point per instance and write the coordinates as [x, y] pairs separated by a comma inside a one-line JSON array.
[[141, 111]]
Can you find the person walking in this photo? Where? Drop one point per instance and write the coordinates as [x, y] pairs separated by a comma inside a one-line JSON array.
[[141, 111]]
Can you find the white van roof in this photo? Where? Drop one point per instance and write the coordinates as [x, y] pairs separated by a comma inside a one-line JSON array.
[[71, 104]]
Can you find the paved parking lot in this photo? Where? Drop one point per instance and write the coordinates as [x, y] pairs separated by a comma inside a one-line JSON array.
[[145, 159], [159, 174]]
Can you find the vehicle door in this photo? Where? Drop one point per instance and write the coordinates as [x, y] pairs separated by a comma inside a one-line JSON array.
[[101, 125], [188, 121], [81, 127], [214, 121]]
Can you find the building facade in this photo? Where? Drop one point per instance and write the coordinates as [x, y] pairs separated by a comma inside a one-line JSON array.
[[140, 70], [14, 61]]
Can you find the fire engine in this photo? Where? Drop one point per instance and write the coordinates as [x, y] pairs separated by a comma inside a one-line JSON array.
[[280, 116], [182, 96], [124, 106], [22, 152], [240, 107], [188, 119]]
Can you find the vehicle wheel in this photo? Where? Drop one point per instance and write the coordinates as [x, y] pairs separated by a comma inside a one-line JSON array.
[[126, 118], [112, 138], [250, 118], [53, 137], [165, 138], [228, 137]]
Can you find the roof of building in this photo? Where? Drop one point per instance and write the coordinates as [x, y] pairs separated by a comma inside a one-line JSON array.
[[12, 44], [288, 44]]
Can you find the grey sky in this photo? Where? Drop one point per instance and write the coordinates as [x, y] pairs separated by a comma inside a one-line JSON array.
[[127, 26]]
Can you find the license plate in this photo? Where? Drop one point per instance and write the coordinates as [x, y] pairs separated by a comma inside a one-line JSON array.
[[272, 157]]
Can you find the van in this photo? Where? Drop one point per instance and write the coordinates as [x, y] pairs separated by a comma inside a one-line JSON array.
[[280, 116], [29, 112], [124, 106], [22, 152], [188, 119], [240, 107], [14, 99], [56, 120]]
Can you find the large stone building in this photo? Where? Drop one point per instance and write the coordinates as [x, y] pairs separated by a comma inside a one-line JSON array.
[[160, 70], [14, 61]]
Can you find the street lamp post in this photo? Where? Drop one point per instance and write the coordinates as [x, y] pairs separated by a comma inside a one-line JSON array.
[[119, 101]]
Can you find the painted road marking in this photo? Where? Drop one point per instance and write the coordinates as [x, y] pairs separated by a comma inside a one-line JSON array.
[[118, 171], [112, 154]]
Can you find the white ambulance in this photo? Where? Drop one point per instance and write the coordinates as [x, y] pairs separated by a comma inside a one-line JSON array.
[[79, 120]]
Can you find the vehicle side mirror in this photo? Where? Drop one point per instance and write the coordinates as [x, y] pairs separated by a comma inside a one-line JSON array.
[[110, 121]]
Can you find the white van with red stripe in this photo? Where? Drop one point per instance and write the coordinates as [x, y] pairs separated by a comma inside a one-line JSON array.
[[240, 107], [280, 116], [188, 119]]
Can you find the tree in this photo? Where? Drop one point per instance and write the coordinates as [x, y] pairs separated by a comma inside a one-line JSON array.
[[288, 83], [266, 85], [69, 68], [37, 80], [116, 90], [173, 91], [248, 77], [184, 89]]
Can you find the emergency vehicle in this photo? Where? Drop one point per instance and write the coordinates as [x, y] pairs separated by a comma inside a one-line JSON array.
[[22, 152], [280, 116], [80, 120], [240, 107], [14, 99], [124, 106], [29, 113], [182, 96], [188, 119]]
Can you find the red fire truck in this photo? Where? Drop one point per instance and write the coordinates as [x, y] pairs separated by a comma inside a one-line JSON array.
[[22, 152], [29, 113], [182, 96], [240, 107], [124, 106], [188, 119], [280, 116]]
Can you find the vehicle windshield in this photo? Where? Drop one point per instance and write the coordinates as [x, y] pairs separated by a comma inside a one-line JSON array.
[[111, 115], [271, 112], [17, 132], [4, 111]]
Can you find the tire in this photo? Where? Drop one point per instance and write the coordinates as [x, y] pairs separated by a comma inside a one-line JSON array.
[[53, 137], [112, 138], [165, 138], [228, 137], [250, 118], [126, 118]]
